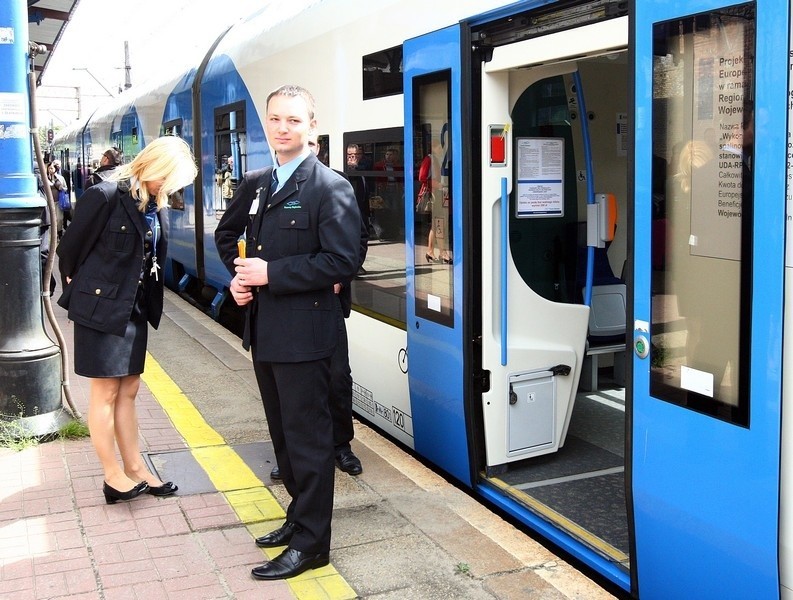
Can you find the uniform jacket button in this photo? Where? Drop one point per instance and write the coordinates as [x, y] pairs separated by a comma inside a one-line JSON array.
[[148, 234], [292, 222], [316, 304], [97, 291], [259, 247], [123, 228]]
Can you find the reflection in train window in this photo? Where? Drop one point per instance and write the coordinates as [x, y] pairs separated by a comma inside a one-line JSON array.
[[382, 73], [230, 154], [373, 162], [433, 203], [703, 84]]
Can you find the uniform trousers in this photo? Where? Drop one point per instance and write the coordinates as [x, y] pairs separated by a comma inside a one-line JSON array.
[[295, 398], [341, 391]]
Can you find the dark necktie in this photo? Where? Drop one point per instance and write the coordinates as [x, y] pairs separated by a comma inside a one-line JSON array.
[[274, 183]]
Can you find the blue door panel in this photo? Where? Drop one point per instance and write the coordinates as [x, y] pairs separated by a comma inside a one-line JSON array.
[[705, 490], [436, 387]]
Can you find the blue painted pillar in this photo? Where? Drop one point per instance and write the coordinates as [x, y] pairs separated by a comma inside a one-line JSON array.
[[30, 371]]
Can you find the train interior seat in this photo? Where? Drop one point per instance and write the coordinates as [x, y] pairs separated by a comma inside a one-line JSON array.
[[607, 316]]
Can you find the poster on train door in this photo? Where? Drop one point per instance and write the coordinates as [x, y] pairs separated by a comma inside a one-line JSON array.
[[540, 177]]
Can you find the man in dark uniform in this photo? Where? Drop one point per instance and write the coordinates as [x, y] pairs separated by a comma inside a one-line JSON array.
[[303, 236], [340, 375]]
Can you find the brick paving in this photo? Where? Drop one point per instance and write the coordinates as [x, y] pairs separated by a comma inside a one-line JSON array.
[[59, 539]]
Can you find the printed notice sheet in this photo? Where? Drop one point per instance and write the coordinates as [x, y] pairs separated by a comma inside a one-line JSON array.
[[540, 167]]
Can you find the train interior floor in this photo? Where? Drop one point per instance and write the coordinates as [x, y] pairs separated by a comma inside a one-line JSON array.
[[582, 486]]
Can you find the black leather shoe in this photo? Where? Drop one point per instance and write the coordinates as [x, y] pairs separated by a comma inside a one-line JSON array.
[[166, 489], [349, 463], [279, 537], [290, 563], [112, 495], [275, 473]]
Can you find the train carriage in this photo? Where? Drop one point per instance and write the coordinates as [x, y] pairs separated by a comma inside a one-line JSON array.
[[573, 301]]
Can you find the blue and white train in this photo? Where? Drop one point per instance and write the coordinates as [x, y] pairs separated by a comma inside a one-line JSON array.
[[585, 323]]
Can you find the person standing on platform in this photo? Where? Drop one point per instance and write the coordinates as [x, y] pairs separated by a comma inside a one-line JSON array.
[[110, 258], [111, 158], [57, 183], [227, 187], [340, 375], [303, 236]]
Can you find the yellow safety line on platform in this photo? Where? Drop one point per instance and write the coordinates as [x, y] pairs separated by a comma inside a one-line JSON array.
[[246, 494]]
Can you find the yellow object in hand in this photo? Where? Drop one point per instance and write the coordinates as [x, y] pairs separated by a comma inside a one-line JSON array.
[[241, 248]]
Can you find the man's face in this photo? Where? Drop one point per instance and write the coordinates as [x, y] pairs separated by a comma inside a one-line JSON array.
[[288, 126], [353, 156]]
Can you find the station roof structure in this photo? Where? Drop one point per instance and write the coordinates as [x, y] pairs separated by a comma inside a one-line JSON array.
[[47, 20]]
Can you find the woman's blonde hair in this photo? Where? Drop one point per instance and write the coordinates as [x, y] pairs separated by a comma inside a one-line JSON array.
[[167, 159]]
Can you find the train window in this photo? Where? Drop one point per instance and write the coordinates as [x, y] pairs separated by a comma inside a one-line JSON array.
[[433, 202], [323, 152], [702, 196], [382, 73], [373, 164], [230, 153]]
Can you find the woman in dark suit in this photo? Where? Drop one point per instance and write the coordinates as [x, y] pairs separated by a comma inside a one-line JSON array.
[[110, 259]]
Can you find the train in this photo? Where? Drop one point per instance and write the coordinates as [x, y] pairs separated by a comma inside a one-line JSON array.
[[571, 304]]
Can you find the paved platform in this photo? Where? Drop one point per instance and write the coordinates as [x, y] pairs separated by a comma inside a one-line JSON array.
[[400, 531]]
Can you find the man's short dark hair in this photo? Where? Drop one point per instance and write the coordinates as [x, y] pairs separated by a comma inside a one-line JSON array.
[[114, 156]]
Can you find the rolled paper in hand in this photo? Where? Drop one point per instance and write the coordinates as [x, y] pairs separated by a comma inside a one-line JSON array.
[[241, 248]]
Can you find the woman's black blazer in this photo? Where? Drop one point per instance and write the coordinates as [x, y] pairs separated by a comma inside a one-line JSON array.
[[102, 251]]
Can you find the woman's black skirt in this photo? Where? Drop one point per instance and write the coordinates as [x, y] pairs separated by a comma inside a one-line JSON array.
[[98, 354]]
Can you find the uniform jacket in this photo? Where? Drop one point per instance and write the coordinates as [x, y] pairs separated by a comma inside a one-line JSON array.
[[102, 250], [345, 295], [309, 233]]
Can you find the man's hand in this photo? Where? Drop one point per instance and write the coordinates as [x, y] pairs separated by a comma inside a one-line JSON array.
[[251, 272], [242, 294]]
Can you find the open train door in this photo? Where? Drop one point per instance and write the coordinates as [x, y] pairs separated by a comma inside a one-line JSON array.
[[435, 324], [707, 311]]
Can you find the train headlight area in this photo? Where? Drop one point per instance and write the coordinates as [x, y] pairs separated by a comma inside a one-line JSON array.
[[543, 184]]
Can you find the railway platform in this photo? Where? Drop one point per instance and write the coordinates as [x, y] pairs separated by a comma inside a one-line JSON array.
[[399, 529]]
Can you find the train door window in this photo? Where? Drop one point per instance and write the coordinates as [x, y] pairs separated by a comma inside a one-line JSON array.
[[373, 164], [382, 73], [117, 140], [230, 153], [175, 200], [433, 202], [703, 123], [173, 128]]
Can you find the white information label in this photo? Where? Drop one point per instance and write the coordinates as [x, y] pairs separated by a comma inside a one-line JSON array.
[[696, 381], [12, 107]]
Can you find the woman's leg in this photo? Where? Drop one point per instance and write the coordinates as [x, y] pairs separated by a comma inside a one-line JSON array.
[[127, 432], [101, 414]]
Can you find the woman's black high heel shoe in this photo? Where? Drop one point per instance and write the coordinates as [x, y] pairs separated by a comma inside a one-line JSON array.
[[430, 258], [166, 489], [112, 495]]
